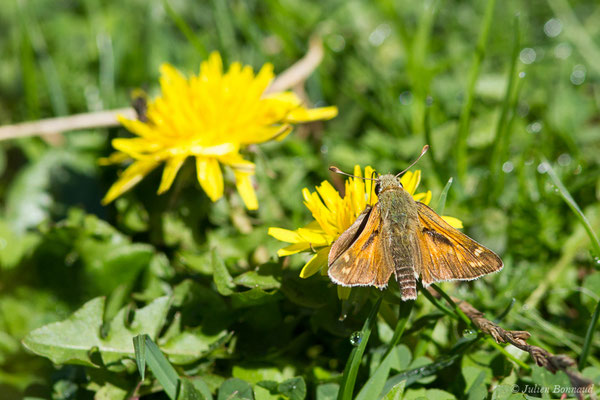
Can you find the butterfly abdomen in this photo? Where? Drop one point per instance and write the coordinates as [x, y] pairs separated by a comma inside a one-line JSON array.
[[399, 214]]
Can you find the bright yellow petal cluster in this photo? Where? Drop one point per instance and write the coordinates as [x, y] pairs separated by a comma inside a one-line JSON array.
[[334, 214], [211, 117]]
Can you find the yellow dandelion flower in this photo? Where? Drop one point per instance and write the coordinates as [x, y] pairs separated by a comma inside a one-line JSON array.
[[334, 214], [210, 116]]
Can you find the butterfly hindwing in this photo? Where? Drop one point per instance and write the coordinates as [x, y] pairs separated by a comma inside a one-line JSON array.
[[364, 262], [448, 254]]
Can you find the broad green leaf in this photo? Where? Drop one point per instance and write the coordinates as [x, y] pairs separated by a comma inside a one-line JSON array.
[[257, 373], [592, 373], [271, 386], [235, 389], [34, 191], [260, 393], [506, 392], [221, 276], [399, 359], [107, 265], [110, 392], [544, 378], [428, 394], [197, 262], [396, 392], [252, 298], [293, 389], [13, 246], [76, 339], [201, 387], [191, 345], [253, 279], [591, 293], [328, 391], [475, 382], [189, 391]]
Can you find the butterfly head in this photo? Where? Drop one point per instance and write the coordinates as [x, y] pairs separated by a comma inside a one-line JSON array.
[[387, 181]]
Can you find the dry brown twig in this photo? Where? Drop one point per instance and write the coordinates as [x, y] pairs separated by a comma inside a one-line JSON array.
[[542, 357], [293, 76]]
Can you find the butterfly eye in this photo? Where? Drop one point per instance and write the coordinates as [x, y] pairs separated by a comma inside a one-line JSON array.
[[377, 188]]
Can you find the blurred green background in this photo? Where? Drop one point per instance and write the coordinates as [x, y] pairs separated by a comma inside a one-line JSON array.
[[494, 88]]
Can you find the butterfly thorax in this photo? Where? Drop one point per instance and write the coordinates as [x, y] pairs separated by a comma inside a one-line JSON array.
[[397, 205]]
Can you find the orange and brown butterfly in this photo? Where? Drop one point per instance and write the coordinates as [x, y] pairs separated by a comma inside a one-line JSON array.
[[400, 236]]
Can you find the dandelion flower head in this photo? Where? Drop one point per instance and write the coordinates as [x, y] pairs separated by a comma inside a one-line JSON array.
[[211, 117]]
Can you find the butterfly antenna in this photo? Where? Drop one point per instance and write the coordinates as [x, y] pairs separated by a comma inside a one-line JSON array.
[[425, 148], [339, 171], [372, 186]]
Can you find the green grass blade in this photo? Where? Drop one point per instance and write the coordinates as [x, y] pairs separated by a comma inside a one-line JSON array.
[[457, 310], [504, 313], [577, 33], [139, 347], [574, 207], [29, 75], [413, 375], [185, 29], [373, 387], [225, 29], [354, 360], [465, 115], [588, 337], [405, 310], [460, 314], [437, 167], [499, 143], [158, 364], [437, 303], [49, 71], [418, 69], [443, 196]]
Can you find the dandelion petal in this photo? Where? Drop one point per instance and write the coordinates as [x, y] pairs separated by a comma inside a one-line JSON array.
[[315, 264], [129, 178], [454, 222], [210, 177], [243, 181], [168, 176]]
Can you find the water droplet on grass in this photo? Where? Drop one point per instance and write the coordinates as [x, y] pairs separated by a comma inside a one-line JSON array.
[[469, 334], [356, 338], [564, 159], [405, 98], [578, 74], [553, 27], [562, 51], [527, 55], [508, 167], [534, 127]]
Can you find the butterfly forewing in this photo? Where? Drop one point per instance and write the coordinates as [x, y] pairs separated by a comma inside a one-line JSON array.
[[349, 236], [359, 259], [448, 254]]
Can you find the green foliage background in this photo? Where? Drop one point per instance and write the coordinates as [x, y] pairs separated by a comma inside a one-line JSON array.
[[204, 278]]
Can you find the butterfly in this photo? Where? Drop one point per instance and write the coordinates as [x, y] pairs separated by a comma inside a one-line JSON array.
[[407, 238]]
